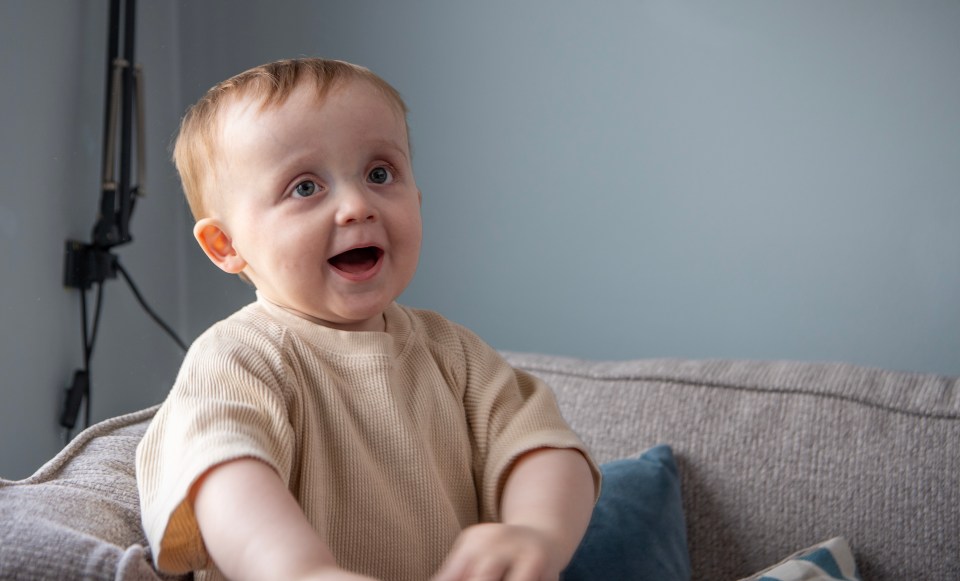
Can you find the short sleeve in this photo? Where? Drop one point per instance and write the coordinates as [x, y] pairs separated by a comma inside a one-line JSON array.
[[227, 403], [510, 413]]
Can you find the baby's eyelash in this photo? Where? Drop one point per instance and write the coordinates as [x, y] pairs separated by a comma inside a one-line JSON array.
[[395, 174], [305, 188]]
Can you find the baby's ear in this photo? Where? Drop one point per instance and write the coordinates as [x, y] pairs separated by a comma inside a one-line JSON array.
[[218, 247]]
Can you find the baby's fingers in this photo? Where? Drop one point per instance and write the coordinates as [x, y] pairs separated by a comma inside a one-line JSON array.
[[495, 553], [470, 569], [471, 562]]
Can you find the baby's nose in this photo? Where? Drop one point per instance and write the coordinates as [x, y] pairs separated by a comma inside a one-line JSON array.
[[355, 207]]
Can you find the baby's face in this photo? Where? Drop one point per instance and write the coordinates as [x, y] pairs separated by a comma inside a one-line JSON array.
[[319, 202]]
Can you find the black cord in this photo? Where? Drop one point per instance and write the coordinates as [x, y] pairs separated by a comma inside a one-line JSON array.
[[96, 323], [154, 316], [90, 339], [83, 328], [88, 346], [79, 392]]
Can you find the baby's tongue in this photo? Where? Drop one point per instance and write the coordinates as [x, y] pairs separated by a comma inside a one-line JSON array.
[[355, 261]]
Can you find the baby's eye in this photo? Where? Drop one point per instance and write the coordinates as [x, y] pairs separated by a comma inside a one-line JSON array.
[[305, 189], [380, 175]]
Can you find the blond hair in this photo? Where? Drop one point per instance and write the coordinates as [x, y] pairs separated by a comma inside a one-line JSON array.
[[195, 148]]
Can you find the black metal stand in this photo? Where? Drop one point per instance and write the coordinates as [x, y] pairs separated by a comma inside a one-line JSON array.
[[86, 264]]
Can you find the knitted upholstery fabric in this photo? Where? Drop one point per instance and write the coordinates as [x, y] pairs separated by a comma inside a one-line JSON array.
[[78, 517], [777, 456], [773, 457]]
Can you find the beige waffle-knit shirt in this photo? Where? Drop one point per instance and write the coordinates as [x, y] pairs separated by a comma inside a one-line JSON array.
[[392, 442]]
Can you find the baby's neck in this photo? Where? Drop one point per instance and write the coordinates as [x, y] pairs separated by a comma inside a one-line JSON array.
[[377, 324]]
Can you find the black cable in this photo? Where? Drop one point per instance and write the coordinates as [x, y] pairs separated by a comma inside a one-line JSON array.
[[96, 321], [154, 316], [79, 392], [88, 347], [90, 338], [83, 327]]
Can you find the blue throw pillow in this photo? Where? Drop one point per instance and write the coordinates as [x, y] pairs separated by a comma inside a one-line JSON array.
[[637, 531]]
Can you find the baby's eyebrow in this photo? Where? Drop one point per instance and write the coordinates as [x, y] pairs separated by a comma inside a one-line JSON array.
[[389, 144]]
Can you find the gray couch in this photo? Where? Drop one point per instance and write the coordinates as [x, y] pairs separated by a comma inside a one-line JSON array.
[[773, 456]]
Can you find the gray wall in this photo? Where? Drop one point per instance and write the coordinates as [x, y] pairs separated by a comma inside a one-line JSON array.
[[52, 59], [635, 179], [607, 180]]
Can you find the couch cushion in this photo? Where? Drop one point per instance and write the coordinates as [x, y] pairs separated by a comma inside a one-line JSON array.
[[779, 455], [637, 530], [78, 517]]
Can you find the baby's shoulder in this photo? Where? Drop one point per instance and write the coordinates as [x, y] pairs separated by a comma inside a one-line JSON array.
[[433, 327], [236, 354], [246, 332], [453, 339]]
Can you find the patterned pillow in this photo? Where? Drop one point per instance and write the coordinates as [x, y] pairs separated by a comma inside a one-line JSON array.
[[828, 561]]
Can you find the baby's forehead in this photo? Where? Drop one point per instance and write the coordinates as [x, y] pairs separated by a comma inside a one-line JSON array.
[[241, 108], [253, 101], [253, 105]]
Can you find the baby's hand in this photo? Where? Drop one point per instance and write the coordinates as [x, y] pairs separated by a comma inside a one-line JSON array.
[[335, 574], [491, 552]]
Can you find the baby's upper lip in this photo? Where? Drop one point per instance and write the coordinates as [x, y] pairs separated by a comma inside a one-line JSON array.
[[350, 247]]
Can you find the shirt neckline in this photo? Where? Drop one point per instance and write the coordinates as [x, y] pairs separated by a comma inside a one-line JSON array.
[[391, 341]]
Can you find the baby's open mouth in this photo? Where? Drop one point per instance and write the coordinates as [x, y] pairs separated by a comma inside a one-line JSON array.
[[358, 260]]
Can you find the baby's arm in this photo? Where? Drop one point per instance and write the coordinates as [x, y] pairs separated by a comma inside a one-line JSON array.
[[546, 505], [253, 527]]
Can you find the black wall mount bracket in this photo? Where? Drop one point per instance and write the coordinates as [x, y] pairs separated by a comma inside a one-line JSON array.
[[86, 264]]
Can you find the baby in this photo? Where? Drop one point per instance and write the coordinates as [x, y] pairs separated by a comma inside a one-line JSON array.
[[324, 431]]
